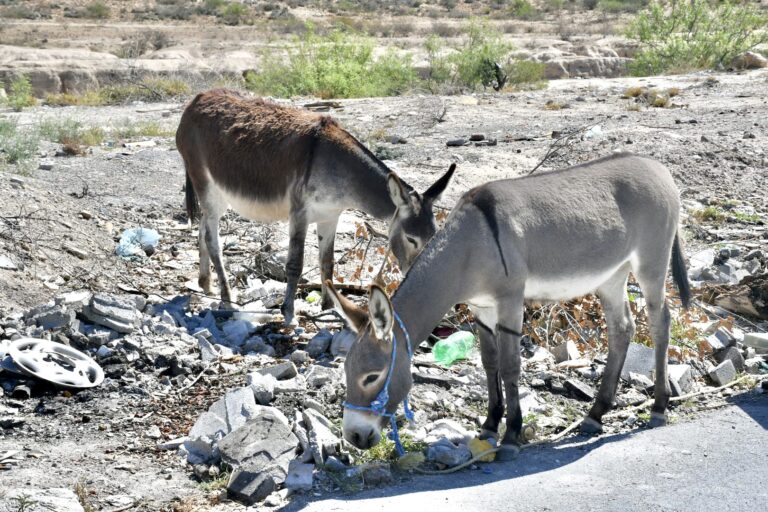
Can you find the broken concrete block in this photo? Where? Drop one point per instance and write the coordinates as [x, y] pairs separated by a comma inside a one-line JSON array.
[[320, 343], [720, 339], [263, 387], [294, 385], [251, 485], [640, 359], [732, 353], [640, 382], [117, 313], [377, 474], [240, 406], [264, 441], [299, 476], [541, 355], [318, 375], [280, 371], [207, 431], [342, 341], [300, 430], [756, 340], [680, 379], [51, 317], [322, 441], [567, 351], [723, 373], [207, 351], [445, 452], [580, 390], [236, 332], [300, 357]]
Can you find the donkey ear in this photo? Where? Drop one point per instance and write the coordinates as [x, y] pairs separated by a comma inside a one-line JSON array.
[[355, 315], [381, 313], [405, 202], [434, 192]]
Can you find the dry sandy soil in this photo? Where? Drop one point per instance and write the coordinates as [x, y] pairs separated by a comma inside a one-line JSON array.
[[712, 138]]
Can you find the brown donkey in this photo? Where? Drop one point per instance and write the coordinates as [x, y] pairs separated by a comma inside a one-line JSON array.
[[269, 162]]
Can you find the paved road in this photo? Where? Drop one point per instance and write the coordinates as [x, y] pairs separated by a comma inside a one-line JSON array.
[[718, 462]]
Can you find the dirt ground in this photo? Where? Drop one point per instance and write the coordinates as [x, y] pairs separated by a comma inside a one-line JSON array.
[[713, 138]]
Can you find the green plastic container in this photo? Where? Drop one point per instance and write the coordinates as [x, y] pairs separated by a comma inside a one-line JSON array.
[[453, 348]]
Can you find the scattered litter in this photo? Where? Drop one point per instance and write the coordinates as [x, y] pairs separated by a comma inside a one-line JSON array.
[[137, 243], [56, 363]]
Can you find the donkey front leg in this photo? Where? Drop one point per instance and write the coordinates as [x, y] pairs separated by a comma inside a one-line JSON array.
[[293, 267], [489, 354], [326, 234], [621, 329], [509, 329]]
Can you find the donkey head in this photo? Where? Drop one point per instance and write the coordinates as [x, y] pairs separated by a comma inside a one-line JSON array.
[[414, 222], [368, 363]]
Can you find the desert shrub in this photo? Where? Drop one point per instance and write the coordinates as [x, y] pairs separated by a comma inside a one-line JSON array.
[[20, 94], [523, 9], [525, 72], [694, 35], [589, 4], [71, 132], [97, 10], [17, 146], [439, 71], [233, 13], [147, 89], [474, 60], [337, 65], [616, 6], [67, 99]]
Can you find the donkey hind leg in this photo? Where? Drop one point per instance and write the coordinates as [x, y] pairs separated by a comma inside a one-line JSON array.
[[212, 210], [508, 329], [652, 283], [486, 319], [326, 234], [204, 279], [297, 231], [621, 329]]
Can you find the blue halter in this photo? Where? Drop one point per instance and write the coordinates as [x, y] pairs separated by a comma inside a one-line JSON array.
[[379, 404]]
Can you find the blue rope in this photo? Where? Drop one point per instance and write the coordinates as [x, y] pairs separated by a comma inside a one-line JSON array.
[[379, 404]]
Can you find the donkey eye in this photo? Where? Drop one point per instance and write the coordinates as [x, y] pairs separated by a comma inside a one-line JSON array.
[[412, 241], [370, 379]]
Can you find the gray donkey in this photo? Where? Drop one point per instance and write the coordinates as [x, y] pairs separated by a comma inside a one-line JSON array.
[[547, 237], [269, 162]]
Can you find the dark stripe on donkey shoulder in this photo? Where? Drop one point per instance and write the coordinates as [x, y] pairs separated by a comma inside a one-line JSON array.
[[486, 203]]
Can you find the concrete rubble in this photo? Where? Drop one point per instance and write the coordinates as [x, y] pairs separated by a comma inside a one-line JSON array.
[[278, 426]]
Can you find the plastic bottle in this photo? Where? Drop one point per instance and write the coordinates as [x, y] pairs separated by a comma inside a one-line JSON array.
[[454, 347]]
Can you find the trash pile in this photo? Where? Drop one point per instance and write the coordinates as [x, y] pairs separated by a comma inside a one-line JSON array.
[[275, 427]]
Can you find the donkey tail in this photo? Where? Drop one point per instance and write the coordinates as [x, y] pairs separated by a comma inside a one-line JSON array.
[[193, 207], [680, 272]]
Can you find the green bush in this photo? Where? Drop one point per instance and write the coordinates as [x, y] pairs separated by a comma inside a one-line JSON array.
[[20, 94], [338, 65], [696, 34], [233, 14], [525, 72], [439, 71], [97, 10], [616, 6], [71, 132], [17, 147], [474, 60], [523, 9]]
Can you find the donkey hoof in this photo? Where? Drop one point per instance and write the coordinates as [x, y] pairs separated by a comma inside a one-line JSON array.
[[590, 426], [507, 452], [658, 419], [488, 434]]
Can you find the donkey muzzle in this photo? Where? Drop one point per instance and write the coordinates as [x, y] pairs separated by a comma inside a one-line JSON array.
[[361, 429]]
